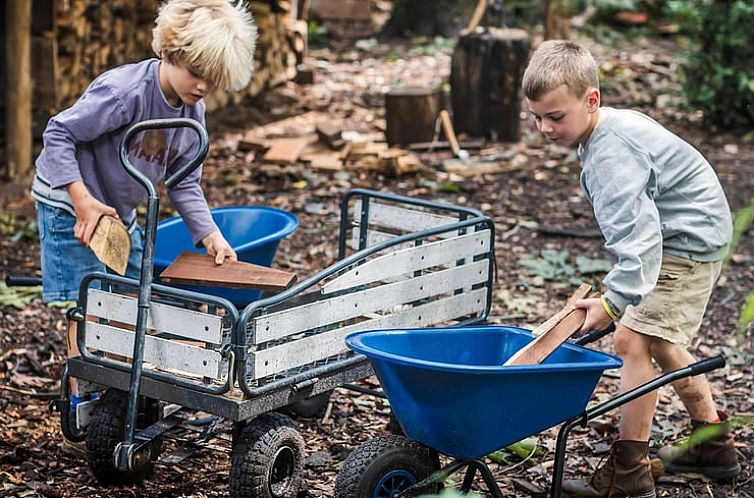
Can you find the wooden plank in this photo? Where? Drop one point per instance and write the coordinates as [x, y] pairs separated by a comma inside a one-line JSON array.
[[163, 353], [413, 259], [161, 317], [285, 150], [327, 311], [200, 269], [402, 219], [313, 348], [545, 344]]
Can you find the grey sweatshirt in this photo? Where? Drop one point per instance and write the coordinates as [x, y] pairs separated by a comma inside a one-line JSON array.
[[651, 192], [81, 143]]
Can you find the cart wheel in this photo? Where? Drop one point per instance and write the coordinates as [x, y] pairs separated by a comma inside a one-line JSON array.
[[309, 407], [385, 466], [267, 458], [105, 431]]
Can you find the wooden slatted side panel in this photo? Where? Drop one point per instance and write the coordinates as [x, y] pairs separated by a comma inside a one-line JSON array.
[[300, 352], [405, 261], [401, 219], [164, 354], [356, 304], [161, 317]]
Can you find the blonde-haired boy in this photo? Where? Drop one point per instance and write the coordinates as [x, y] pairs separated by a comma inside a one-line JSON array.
[[201, 44], [665, 217]]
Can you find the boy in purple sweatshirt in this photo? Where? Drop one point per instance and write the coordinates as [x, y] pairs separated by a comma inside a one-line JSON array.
[[200, 44]]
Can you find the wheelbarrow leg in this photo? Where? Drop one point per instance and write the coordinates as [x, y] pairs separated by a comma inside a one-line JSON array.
[[487, 476], [697, 368]]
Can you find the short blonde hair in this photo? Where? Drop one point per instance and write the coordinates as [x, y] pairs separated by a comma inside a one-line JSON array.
[[556, 63], [213, 37]]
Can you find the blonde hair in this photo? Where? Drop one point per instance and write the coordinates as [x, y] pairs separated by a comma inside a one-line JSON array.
[[212, 37], [556, 63]]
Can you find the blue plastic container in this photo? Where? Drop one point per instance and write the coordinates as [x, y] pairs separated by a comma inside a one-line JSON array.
[[254, 232], [449, 390]]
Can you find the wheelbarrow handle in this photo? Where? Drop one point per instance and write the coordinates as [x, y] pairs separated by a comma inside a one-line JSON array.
[[595, 335], [22, 281], [156, 124], [707, 365]]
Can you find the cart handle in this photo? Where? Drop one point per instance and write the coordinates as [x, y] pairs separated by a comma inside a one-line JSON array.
[[22, 280], [156, 124]]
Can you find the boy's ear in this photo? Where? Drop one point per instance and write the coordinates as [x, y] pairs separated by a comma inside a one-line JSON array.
[[593, 99]]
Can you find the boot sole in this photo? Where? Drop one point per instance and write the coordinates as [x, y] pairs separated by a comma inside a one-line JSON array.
[[717, 473]]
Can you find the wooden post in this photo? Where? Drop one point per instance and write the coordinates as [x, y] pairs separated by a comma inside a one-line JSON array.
[[485, 79], [18, 92], [410, 114]]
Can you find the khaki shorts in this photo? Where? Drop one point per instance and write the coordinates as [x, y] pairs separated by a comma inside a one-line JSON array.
[[674, 309]]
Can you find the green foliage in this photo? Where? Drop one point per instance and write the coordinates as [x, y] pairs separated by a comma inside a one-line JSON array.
[[17, 229], [719, 73], [742, 220], [316, 34], [18, 297], [556, 266]]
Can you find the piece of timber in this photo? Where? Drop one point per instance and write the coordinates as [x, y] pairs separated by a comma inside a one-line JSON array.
[[200, 269], [543, 346]]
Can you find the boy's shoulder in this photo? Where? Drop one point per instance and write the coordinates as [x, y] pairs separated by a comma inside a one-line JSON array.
[[628, 127], [125, 77]]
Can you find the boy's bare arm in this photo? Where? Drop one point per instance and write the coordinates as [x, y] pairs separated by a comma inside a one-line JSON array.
[[88, 211]]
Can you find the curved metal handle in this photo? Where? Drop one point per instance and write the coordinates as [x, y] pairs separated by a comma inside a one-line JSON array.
[[156, 124], [22, 280], [707, 365]]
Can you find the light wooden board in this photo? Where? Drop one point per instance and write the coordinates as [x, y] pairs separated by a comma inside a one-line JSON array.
[[161, 317]]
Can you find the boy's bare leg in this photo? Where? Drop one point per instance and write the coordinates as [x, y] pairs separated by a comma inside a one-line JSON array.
[[636, 416], [73, 351], [693, 391]]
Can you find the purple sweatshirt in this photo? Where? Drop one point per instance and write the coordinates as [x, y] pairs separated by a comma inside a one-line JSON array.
[[81, 143]]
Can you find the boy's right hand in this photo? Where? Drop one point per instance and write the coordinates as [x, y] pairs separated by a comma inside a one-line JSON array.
[[88, 211]]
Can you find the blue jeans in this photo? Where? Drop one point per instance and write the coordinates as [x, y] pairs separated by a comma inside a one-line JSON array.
[[66, 261]]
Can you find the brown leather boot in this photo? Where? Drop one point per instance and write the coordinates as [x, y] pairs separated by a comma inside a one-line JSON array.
[[715, 457], [626, 473]]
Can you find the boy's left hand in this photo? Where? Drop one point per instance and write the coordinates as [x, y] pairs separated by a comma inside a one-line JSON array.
[[596, 316], [218, 247]]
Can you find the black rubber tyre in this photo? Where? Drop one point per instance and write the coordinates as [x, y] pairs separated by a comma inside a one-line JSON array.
[[314, 407], [384, 466], [105, 431], [267, 459]]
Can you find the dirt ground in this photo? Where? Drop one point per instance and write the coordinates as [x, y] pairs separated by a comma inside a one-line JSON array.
[[529, 205]]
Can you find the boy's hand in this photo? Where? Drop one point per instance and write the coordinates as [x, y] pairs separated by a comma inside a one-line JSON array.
[[596, 316], [88, 211], [218, 247]]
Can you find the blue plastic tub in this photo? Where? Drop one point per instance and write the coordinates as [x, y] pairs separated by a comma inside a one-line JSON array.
[[254, 232], [449, 390]]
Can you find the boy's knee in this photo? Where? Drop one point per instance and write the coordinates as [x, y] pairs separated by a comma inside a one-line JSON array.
[[629, 343]]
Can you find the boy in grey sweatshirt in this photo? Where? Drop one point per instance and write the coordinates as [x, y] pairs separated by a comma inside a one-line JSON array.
[[665, 217]]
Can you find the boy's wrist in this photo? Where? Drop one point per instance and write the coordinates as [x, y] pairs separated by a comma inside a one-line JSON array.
[[610, 308]]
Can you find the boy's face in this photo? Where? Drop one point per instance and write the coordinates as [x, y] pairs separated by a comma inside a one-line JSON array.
[[564, 118], [182, 84]]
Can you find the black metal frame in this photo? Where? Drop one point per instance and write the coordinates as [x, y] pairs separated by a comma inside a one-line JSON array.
[[472, 466]]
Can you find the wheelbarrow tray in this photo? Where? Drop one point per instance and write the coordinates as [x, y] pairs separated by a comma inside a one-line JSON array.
[[449, 391]]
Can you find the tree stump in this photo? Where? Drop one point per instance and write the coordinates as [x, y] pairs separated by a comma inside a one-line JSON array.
[[410, 114], [485, 78]]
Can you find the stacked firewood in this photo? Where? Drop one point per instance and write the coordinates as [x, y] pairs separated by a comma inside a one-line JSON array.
[[92, 36]]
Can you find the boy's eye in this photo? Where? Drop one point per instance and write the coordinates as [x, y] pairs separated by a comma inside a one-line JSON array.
[[556, 118]]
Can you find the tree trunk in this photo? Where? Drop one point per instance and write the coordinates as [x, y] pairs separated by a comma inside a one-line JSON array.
[[18, 91], [557, 22], [410, 114], [485, 79], [429, 17]]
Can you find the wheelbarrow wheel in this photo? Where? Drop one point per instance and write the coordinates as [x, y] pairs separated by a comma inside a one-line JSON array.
[[316, 406], [267, 458], [105, 431], [385, 466]]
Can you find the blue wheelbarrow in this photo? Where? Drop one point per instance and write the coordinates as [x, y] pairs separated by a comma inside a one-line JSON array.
[[450, 394], [254, 232]]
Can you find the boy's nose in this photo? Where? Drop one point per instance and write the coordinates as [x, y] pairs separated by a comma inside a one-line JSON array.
[[545, 127]]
